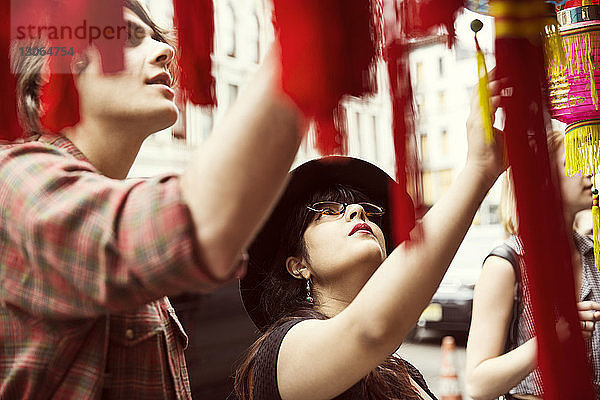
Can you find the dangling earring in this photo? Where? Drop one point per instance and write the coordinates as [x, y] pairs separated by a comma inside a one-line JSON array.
[[309, 297]]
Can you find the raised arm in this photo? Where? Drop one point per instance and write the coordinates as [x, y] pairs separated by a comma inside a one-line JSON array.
[[237, 174], [489, 371], [342, 350]]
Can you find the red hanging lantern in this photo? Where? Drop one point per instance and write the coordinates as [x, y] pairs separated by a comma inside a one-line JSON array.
[[194, 21], [328, 50]]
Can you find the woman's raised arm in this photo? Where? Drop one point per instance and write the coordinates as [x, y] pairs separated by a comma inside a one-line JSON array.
[[321, 359], [489, 372]]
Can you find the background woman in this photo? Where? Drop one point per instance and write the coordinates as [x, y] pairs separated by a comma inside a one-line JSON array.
[[502, 355]]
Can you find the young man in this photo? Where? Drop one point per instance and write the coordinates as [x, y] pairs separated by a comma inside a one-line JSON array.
[[86, 257]]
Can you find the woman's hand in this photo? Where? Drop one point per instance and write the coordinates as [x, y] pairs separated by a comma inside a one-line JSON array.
[[485, 157], [589, 314]]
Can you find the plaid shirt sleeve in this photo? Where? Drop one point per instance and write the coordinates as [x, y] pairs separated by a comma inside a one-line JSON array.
[[74, 243]]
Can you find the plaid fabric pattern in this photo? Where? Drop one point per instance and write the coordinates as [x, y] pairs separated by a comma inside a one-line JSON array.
[[590, 290], [85, 263]]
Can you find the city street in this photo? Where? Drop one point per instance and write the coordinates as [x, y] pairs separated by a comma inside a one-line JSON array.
[[426, 355]]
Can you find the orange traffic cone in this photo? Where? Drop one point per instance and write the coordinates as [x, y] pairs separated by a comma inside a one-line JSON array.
[[449, 386]]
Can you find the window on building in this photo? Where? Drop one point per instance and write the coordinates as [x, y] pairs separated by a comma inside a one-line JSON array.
[[229, 31], [420, 101], [424, 147], [445, 179], [208, 125], [445, 143], [442, 101], [493, 214], [200, 121], [441, 66], [255, 39], [233, 92], [419, 69], [374, 130], [357, 125], [428, 195]]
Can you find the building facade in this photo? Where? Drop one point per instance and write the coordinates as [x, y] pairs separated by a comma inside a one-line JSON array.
[[442, 78], [443, 81], [243, 34]]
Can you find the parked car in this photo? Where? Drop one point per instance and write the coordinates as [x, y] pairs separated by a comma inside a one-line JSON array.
[[450, 308], [449, 311]]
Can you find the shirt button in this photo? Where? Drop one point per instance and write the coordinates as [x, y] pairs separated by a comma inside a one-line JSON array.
[[129, 334]]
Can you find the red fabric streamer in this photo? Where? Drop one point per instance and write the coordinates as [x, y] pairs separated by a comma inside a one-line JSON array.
[[57, 25], [421, 17], [562, 357], [60, 102], [328, 50], [9, 123], [101, 23], [195, 24], [102, 14], [58, 97], [396, 56], [406, 19], [330, 131]]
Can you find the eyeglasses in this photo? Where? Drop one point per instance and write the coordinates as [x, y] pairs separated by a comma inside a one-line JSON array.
[[335, 208]]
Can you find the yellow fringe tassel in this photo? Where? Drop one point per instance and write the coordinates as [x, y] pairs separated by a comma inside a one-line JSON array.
[[596, 229], [556, 66], [484, 95], [582, 148], [593, 91], [582, 53], [554, 50]]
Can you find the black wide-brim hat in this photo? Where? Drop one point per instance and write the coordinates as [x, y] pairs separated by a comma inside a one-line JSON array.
[[314, 175]]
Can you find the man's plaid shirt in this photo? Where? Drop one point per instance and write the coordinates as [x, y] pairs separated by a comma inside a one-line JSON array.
[[85, 263]]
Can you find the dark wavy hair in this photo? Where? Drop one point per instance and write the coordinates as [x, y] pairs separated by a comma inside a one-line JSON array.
[[284, 298]]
